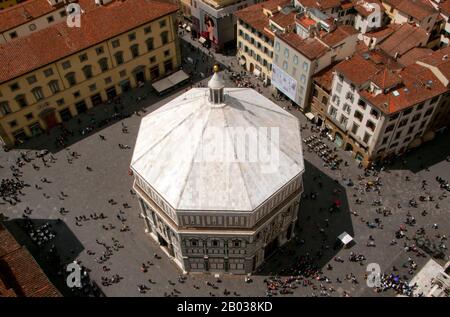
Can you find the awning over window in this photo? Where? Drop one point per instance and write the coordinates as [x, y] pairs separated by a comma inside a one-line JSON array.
[[170, 81], [256, 72]]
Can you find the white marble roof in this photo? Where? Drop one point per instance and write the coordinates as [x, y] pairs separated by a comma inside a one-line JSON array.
[[186, 151]]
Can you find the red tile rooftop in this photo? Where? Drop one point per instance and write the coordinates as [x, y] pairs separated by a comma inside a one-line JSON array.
[[405, 38], [338, 35], [20, 275], [97, 25], [418, 9], [439, 59], [284, 20], [414, 54], [445, 7], [418, 84], [366, 10], [22, 13], [255, 17], [320, 4], [309, 47], [305, 21], [324, 78]]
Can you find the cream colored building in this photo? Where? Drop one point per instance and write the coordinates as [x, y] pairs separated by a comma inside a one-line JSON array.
[[42, 85], [256, 27], [420, 12], [209, 196]]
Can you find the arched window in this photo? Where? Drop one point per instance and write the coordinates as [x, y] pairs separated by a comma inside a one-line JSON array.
[[87, 70]]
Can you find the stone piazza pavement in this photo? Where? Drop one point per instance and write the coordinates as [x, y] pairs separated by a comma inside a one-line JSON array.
[[88, 191]]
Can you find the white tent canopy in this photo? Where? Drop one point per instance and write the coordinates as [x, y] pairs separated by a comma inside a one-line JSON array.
[[309, 115], [345, 238], [170, 81]]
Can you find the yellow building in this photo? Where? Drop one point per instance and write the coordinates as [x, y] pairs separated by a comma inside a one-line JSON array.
[[9, 3], [256, 29], [58, 72]]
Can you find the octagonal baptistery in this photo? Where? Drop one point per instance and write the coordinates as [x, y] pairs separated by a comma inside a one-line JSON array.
[[218, 172]]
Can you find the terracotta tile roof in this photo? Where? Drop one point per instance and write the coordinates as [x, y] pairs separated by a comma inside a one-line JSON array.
[[444, 7], [17, 15], [383, 32], [418, 84], [309, 47], [20, 275], [31, 52], [413, 55], [284, 20], [361, 47], [376, 65], [351, 69], [346, 5], [324, 78], [305, 21], [439, 59], [366, 10], [386, 78], [338, 35], [320, 4], [255, 17], [418, 9], [32, 9], [404, 39]]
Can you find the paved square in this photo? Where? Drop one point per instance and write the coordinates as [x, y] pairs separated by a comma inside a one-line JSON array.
[[100, 173]]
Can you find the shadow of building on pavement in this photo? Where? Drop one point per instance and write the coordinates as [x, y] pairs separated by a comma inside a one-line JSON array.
[[314, 214], [425, 156], [43, 246]]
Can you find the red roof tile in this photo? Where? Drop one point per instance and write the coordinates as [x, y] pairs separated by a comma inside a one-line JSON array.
[[418, 84], [338, 35], [31, 52], [413, 55], [20, 275], [366, 10], [418, 9], [32, 9], [309, 47], [320, 4], [255, 17], [404, 39], [284, 20], [439, 59], [324, 78], [445, 7]]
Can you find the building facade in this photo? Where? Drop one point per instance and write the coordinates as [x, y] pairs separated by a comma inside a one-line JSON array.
[[214, 21], [39, 90], [220, 214], [256, 27], [315, 45], [384, 111]]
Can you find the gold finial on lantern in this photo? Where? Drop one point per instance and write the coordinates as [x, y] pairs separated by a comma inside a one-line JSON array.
[[216, 68]]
